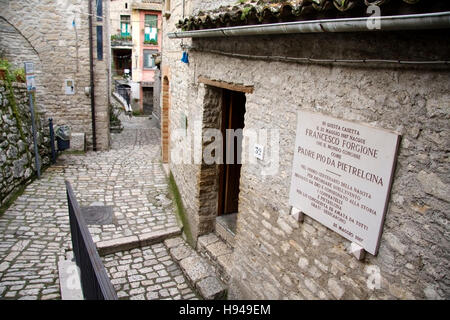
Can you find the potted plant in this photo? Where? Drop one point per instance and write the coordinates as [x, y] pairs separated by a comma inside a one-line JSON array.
[[152, 41]]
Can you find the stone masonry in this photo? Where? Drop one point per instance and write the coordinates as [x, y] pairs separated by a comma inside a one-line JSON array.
[[276, 257], [55, 36], [157, 97], [17, 159]]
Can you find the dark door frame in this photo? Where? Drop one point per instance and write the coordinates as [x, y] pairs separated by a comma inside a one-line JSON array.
[[233, 111]]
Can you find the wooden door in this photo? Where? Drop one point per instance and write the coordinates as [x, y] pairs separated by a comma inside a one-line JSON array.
[[232, 118]]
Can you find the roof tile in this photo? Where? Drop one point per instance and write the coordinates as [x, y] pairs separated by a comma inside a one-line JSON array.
[[251, 12]]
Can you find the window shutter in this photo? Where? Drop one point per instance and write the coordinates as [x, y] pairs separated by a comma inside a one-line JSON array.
[[99, 10], [125, 26], [99, 42]]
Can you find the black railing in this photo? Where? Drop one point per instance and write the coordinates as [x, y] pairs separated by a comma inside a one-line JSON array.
[[123, 90], [95, 282], [52, 140]]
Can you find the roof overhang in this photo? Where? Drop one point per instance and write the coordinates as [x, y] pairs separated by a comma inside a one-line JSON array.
[[439, 20]]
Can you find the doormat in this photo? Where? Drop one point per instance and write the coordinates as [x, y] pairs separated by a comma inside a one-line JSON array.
[[98, 215]]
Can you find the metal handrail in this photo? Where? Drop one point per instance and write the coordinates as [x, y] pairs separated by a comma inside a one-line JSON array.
[[123, 91], [95, 282]]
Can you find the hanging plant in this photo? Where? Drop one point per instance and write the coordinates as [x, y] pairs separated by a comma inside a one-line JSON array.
[[119, 37], [10, 75]]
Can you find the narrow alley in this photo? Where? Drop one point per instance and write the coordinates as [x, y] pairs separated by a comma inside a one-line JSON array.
[[244, 151], [35, 232]]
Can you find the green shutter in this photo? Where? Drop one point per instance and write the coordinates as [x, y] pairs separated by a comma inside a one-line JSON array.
[[124, 26], [151, 29]]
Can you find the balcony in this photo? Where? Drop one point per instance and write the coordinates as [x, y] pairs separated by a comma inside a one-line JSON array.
[[121, 41], [151, 42]]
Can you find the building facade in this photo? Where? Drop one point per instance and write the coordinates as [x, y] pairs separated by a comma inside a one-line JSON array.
[[259, 81], [55, 36], [121, 38], [136, 43]]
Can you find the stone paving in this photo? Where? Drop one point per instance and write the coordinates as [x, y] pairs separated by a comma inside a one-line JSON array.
[[35, 233], [146, 274], [129, 177]]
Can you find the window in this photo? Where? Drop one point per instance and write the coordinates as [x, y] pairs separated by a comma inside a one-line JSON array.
[[151, 20], [99, 42], [149, 59], [151, 29], [125, 26], [99, 10], [126, 5]]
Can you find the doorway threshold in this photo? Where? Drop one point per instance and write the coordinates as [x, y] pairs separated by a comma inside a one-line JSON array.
[[226, 227]]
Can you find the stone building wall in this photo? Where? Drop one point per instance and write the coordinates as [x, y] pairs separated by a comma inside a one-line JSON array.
[[17, 159], [276, 257], [16, 49], [60, 49], [157, 96]]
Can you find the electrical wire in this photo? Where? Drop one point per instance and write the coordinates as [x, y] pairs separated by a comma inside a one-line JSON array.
[[118, 19], [295, 59], [315, 60], [121, 57]]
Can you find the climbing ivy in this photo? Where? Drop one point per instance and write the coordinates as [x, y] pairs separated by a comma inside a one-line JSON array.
[[180, 211], [8, 80]]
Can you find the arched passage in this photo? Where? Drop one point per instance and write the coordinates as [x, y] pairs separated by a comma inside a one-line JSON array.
[[17, 49]]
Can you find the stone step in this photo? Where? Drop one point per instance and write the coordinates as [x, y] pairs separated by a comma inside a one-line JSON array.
[[218, 253], [197, 270], [137, 241], [226, 228]]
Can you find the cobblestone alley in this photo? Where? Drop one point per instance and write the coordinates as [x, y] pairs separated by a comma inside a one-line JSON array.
[[35, 233]]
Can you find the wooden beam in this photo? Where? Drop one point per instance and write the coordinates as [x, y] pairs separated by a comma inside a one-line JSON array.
[[225, 85]]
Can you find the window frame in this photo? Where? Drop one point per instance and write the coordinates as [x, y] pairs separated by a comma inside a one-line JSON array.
[[126, 22], [152, 54], [150, 23], [99, 6]]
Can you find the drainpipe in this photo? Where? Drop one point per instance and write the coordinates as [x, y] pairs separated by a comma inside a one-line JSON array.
[[182, 43], [183, 9], [91, 70], [438, 20]]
